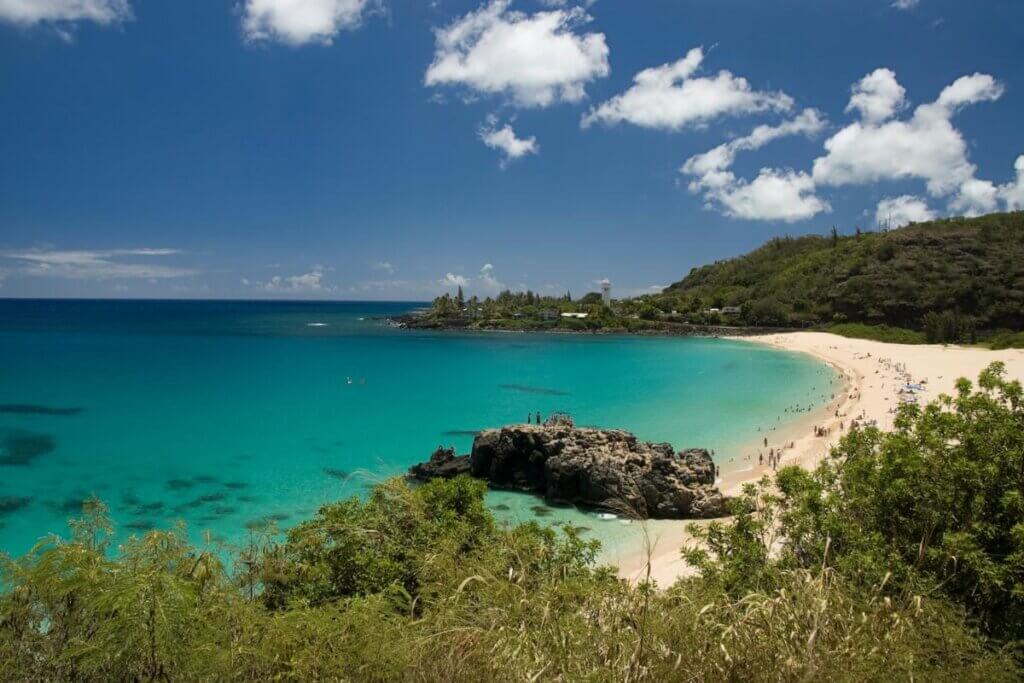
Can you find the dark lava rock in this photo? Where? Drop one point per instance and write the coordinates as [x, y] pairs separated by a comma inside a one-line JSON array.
[[605, 468], [443, 464]]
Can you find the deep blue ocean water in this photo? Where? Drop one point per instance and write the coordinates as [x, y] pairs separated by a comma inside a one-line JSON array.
[[229, 414]]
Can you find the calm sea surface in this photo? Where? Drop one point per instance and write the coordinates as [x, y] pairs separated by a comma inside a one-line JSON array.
[[228, 414]]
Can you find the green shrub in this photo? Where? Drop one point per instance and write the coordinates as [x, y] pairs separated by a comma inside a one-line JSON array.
[[1007, 340], [882, 333]]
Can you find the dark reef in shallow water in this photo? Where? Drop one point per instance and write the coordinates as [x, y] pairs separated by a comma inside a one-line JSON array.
[[235, 485], [31, 409], [534, 390], [68, 506], [336, 473], [204, 479], [18, 448], [180, 484], [461, 432], [10, 504]]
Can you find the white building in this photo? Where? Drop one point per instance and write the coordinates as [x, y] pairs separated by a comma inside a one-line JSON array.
[[606, 292]]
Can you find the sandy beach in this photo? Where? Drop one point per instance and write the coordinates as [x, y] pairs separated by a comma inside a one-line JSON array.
[[874, 378]]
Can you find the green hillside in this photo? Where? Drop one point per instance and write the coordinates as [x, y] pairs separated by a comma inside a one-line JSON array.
[[948, 278]]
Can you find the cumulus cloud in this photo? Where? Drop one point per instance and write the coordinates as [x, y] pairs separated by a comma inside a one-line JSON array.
[[306, 282], [28, 12], [450, 280], [905, 4], [1013, 192], [775, 194], [975, 197], [297, 22], [536, 60], [504, 139], [878, 96], [895, 212], [927, 146], [672, 97], [809, 122], [383, 266], [485, 283], [108, 264]]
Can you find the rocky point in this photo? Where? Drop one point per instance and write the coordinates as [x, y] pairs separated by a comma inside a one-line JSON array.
[[604, 468]]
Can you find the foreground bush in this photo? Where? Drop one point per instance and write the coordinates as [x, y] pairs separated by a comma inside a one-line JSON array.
[[817, 579]]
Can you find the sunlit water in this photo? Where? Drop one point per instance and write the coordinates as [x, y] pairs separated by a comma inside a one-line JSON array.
[[230, 414]]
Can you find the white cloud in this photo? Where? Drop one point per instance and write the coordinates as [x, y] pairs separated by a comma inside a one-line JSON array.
[[672, 97], [297, 22], [383, 266], [975, 198], [926, 146], [809, 122], [878, 96], [895, 212], [452, 280], [536, 60], [1013, 192], [306, 282], [28, 12], [505, 140], [905, 4], [487, 281], [484, 283], [109, 264], [774, 194]]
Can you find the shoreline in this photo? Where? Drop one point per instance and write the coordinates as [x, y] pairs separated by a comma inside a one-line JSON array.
[[871, 373]]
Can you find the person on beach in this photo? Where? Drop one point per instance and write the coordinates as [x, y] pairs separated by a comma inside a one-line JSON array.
[[538, 417]]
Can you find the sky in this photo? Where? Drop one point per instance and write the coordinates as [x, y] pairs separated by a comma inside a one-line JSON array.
[[397, 149]]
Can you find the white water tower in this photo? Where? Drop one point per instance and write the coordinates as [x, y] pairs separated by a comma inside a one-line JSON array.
[[606, 292]]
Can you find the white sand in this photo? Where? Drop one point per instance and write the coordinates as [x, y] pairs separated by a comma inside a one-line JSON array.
[[874, 372]]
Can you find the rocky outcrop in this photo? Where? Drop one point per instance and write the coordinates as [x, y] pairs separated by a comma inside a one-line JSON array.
[[443, 464], [605, 468]]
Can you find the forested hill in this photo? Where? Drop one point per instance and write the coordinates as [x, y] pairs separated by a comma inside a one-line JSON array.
[[963, 273]]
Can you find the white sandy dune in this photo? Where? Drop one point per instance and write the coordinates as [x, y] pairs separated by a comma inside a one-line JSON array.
[[875, 373]]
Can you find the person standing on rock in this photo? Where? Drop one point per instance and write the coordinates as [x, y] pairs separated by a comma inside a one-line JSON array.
[[538, 417]]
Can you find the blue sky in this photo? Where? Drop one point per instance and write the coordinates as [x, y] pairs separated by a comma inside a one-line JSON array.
[[390, 149]]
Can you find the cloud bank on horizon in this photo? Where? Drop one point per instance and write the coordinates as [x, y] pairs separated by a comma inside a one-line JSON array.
[[548, 57]]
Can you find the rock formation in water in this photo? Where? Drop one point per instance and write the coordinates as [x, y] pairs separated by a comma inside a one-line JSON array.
[[605, 468]]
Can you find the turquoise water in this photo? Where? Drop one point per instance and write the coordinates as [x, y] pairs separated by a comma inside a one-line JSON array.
[[227, 414]]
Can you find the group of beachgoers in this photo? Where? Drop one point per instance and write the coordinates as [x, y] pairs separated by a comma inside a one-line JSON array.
[[774, 457]]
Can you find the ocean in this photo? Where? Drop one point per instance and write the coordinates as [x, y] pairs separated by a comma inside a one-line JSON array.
[[228, 415]]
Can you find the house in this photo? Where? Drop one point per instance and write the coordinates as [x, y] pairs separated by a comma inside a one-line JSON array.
[[731, 310], [578, 316], [549, 314]]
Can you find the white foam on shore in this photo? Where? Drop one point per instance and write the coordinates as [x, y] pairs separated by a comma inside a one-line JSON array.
[[316, 324]]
